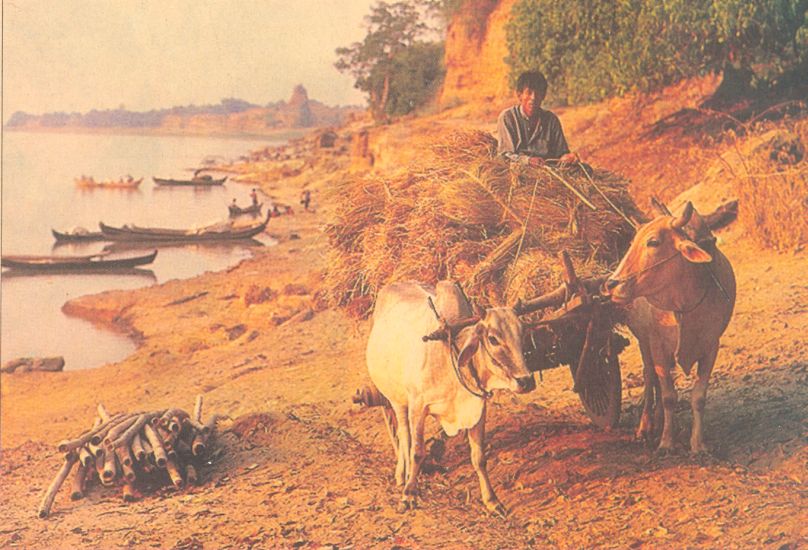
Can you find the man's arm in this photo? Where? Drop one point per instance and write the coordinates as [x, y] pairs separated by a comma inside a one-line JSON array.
[[557, 143], [506, 140]]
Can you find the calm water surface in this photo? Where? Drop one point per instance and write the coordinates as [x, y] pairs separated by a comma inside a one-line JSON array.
[[38, 194]]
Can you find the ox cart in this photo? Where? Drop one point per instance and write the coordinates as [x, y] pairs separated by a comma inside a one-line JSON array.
[[579, 332]]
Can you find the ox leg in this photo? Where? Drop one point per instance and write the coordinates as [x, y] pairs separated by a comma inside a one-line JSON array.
[[665, 375], [390, 423], [659, 411], [403, 449], [478, 460], [698, 400], [645, 430], [417, 417]]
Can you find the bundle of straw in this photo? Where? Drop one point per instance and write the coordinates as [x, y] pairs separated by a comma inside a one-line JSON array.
[[463, 213]]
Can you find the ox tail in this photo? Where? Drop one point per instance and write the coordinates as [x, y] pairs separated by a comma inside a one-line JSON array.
[[370, 396]]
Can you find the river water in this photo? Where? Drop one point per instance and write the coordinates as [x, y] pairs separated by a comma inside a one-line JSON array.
[[38, 193]]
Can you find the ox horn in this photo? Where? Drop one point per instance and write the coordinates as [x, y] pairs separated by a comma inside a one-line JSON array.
[[684, 218], [660, 207]]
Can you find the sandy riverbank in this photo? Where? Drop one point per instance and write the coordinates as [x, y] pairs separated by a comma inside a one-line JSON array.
[[303, 467]]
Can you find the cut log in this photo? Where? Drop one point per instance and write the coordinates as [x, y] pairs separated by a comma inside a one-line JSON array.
[[128, 492], [137, 448], [198, 408], [119, 429], [157, 446], [89, 436], [50, 494], [78, 482], [124, 457], [174, 473]]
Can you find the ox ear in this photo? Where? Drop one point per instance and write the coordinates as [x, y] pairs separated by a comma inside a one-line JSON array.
[[469, 349], [693, 252]]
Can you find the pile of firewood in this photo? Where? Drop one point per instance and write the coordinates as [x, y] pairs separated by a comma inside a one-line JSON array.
[[123, 448]]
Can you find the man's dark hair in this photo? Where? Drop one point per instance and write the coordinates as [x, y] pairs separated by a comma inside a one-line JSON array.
[[532, 80]]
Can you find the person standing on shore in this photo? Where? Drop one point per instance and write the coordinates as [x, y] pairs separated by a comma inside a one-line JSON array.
[[305, 199], [528, 134], [254, 197]]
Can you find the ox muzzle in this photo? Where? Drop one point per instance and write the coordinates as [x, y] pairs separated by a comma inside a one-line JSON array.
[[526, 384]]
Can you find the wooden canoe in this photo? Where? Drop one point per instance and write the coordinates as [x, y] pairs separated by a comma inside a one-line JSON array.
[[69, 263], [198, 181], [77, 236], [111, 184], [238, 211], [217, 232]]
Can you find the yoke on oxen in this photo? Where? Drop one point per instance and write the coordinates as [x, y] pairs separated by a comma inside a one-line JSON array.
[[579, 332]]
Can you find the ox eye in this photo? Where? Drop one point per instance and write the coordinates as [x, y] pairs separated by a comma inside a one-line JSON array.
[[493, 340], [653, 242]]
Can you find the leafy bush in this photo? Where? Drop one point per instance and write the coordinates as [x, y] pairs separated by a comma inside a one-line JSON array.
[[590, 49], [416, 74], [398, 71]]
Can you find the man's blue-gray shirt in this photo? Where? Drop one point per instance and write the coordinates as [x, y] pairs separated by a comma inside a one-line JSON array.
[[518, 141]]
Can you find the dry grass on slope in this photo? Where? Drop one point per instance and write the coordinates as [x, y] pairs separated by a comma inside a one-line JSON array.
[[772, 185]]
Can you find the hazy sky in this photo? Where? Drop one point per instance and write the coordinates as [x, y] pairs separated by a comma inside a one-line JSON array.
[[76, 55]]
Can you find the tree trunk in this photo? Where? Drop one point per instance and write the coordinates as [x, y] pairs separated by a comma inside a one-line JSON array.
[[736, 83]]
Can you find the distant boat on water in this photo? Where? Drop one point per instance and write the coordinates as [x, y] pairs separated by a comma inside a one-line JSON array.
[[216, 232], [236, 210], [102, 261], [77, 235], [200, 180], [122, 183]]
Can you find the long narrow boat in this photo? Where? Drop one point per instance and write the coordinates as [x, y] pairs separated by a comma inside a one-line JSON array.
[[197, 181], [77, 236], [69, 263], [238, 210], [216, 232], [123, 183]]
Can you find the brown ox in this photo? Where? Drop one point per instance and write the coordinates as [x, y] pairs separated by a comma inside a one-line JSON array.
[[681, 291]]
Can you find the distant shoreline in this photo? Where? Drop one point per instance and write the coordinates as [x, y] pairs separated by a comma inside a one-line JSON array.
[[280, 134]]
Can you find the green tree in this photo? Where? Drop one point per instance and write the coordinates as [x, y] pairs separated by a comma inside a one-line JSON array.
[[386, 63], [590, 49], [416, 74], [392, 28]]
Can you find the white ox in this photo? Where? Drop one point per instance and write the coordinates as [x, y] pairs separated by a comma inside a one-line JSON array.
[[681, 293], [418, 378]]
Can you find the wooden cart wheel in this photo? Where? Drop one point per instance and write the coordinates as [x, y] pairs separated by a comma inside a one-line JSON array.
[[601, 394]]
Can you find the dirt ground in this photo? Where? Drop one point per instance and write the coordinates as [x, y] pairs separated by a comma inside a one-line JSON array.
[[300, 466]]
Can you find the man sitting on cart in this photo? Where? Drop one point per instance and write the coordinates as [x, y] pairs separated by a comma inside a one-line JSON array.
[[527, 133]]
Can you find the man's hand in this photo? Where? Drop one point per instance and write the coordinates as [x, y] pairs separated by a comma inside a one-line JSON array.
[[569, 158], [536, 161]]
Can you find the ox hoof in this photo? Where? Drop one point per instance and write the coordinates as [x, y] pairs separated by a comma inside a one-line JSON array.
[[408, 502], [646, 437], [665, 450], [702, 455], [495, 508], [699, 449]]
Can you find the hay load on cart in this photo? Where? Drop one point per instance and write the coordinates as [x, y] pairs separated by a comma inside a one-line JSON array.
[[498, 228]]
